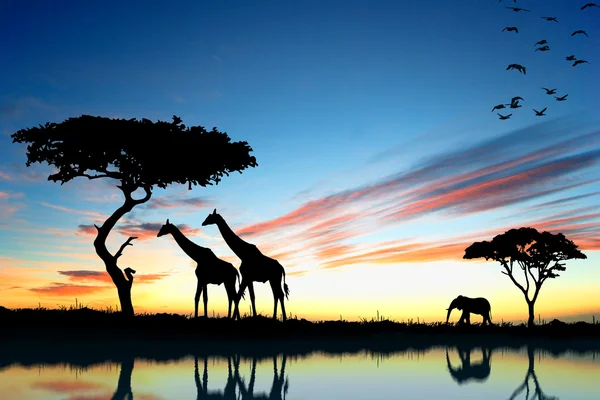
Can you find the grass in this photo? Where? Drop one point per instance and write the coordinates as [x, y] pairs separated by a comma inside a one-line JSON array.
[[83, 336], [82, 322]]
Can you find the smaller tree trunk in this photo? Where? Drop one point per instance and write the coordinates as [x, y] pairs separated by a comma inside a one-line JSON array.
[[531, 320]]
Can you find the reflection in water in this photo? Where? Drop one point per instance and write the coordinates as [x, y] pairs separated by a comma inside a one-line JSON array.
[[279, 387], [537, 390], [456, 372], [123, 391], [467, 371], [202, 387]]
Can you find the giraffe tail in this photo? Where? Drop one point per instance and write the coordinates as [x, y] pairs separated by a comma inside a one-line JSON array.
[[286, 289]]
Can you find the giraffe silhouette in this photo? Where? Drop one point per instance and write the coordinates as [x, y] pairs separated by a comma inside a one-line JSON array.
[[466, 372], [255, 267], [202, 393], [279, 387], [210, 269]]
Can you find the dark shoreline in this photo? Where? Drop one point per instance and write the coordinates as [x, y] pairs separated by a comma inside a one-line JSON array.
[[83, 337]]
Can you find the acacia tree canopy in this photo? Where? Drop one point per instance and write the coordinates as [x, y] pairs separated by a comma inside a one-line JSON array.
[[539, 255], [139, 153]]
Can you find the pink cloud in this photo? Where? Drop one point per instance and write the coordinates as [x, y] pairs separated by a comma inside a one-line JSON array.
[[103, 276], [66, 289]]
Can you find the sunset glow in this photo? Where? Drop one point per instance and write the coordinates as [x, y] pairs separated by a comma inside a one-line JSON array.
[[379, 161]]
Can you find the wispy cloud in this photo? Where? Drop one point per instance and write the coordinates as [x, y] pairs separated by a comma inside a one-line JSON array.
[[5, 176], [74, 211], [508, 170], [103, 276], [171, 202], [9, 195], [68, 289]]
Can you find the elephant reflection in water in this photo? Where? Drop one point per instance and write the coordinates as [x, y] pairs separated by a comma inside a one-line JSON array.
[[279, 386], [538, 394], [202, 386], [478, 372]]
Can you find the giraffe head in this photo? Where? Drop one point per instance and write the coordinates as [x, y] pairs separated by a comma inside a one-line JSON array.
[[212, 218], [167, 228]]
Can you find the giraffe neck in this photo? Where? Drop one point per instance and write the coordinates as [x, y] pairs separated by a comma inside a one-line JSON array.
[[190, 248], [240, 247]]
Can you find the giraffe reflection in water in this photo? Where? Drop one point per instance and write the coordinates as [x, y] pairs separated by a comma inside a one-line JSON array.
[[467, 371], [278, 390], [202, 386], [279, 387]]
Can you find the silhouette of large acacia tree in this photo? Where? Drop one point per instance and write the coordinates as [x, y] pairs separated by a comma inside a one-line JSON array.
[[538, 255], [140, 154]]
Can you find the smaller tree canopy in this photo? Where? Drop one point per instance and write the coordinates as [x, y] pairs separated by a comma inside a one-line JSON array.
[[539, 255], [139, 153]]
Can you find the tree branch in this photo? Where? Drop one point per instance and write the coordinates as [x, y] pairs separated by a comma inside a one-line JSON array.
[[512, 278], [112, 175], [127, 243]]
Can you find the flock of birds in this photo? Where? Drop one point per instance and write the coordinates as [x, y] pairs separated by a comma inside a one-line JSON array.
[[542, 46]]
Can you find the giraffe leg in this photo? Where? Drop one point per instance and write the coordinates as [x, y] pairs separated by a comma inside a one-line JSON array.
[[251, 290], [277, 297], [231, 295], [197, 299], [205, 298], [236, 311]]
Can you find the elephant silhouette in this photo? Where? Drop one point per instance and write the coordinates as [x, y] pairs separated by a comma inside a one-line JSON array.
[[467, 371], [468, 305]]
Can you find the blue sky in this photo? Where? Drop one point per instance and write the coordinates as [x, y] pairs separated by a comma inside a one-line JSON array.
[[389, 101]]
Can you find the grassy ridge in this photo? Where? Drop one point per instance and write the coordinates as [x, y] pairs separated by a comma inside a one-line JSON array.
[[84, 323]]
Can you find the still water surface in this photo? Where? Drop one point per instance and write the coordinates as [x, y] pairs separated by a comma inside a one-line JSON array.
[[437, 373]]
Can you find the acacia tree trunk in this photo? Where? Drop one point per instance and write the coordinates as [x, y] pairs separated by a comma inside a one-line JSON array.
[[530, 307], [122, 283]]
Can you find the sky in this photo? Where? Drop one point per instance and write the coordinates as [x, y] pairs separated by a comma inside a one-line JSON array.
[[379, 157]]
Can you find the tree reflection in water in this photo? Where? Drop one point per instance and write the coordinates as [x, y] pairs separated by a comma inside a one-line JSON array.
[[537, 394]]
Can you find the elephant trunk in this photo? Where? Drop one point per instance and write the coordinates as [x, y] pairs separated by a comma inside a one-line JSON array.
[[448, 315]]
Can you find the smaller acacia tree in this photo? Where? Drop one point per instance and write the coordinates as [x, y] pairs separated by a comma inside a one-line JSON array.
[[139, 154], [539, 255]]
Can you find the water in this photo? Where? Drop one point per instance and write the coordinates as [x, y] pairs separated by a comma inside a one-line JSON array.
[[433, 373]]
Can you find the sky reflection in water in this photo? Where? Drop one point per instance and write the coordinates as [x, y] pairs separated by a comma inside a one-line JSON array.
[[438, 373]]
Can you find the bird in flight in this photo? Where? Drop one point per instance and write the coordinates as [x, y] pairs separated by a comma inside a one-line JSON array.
[[544, 48], [516, 99], [579, 32], [579, 62], [540, 113], [570, 58], [549, 91], [504, 116], [517, 9], [587, 5], [511, 29], [552, 19], [498, 107], [518, 67], [541, 42], [562, 98]]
